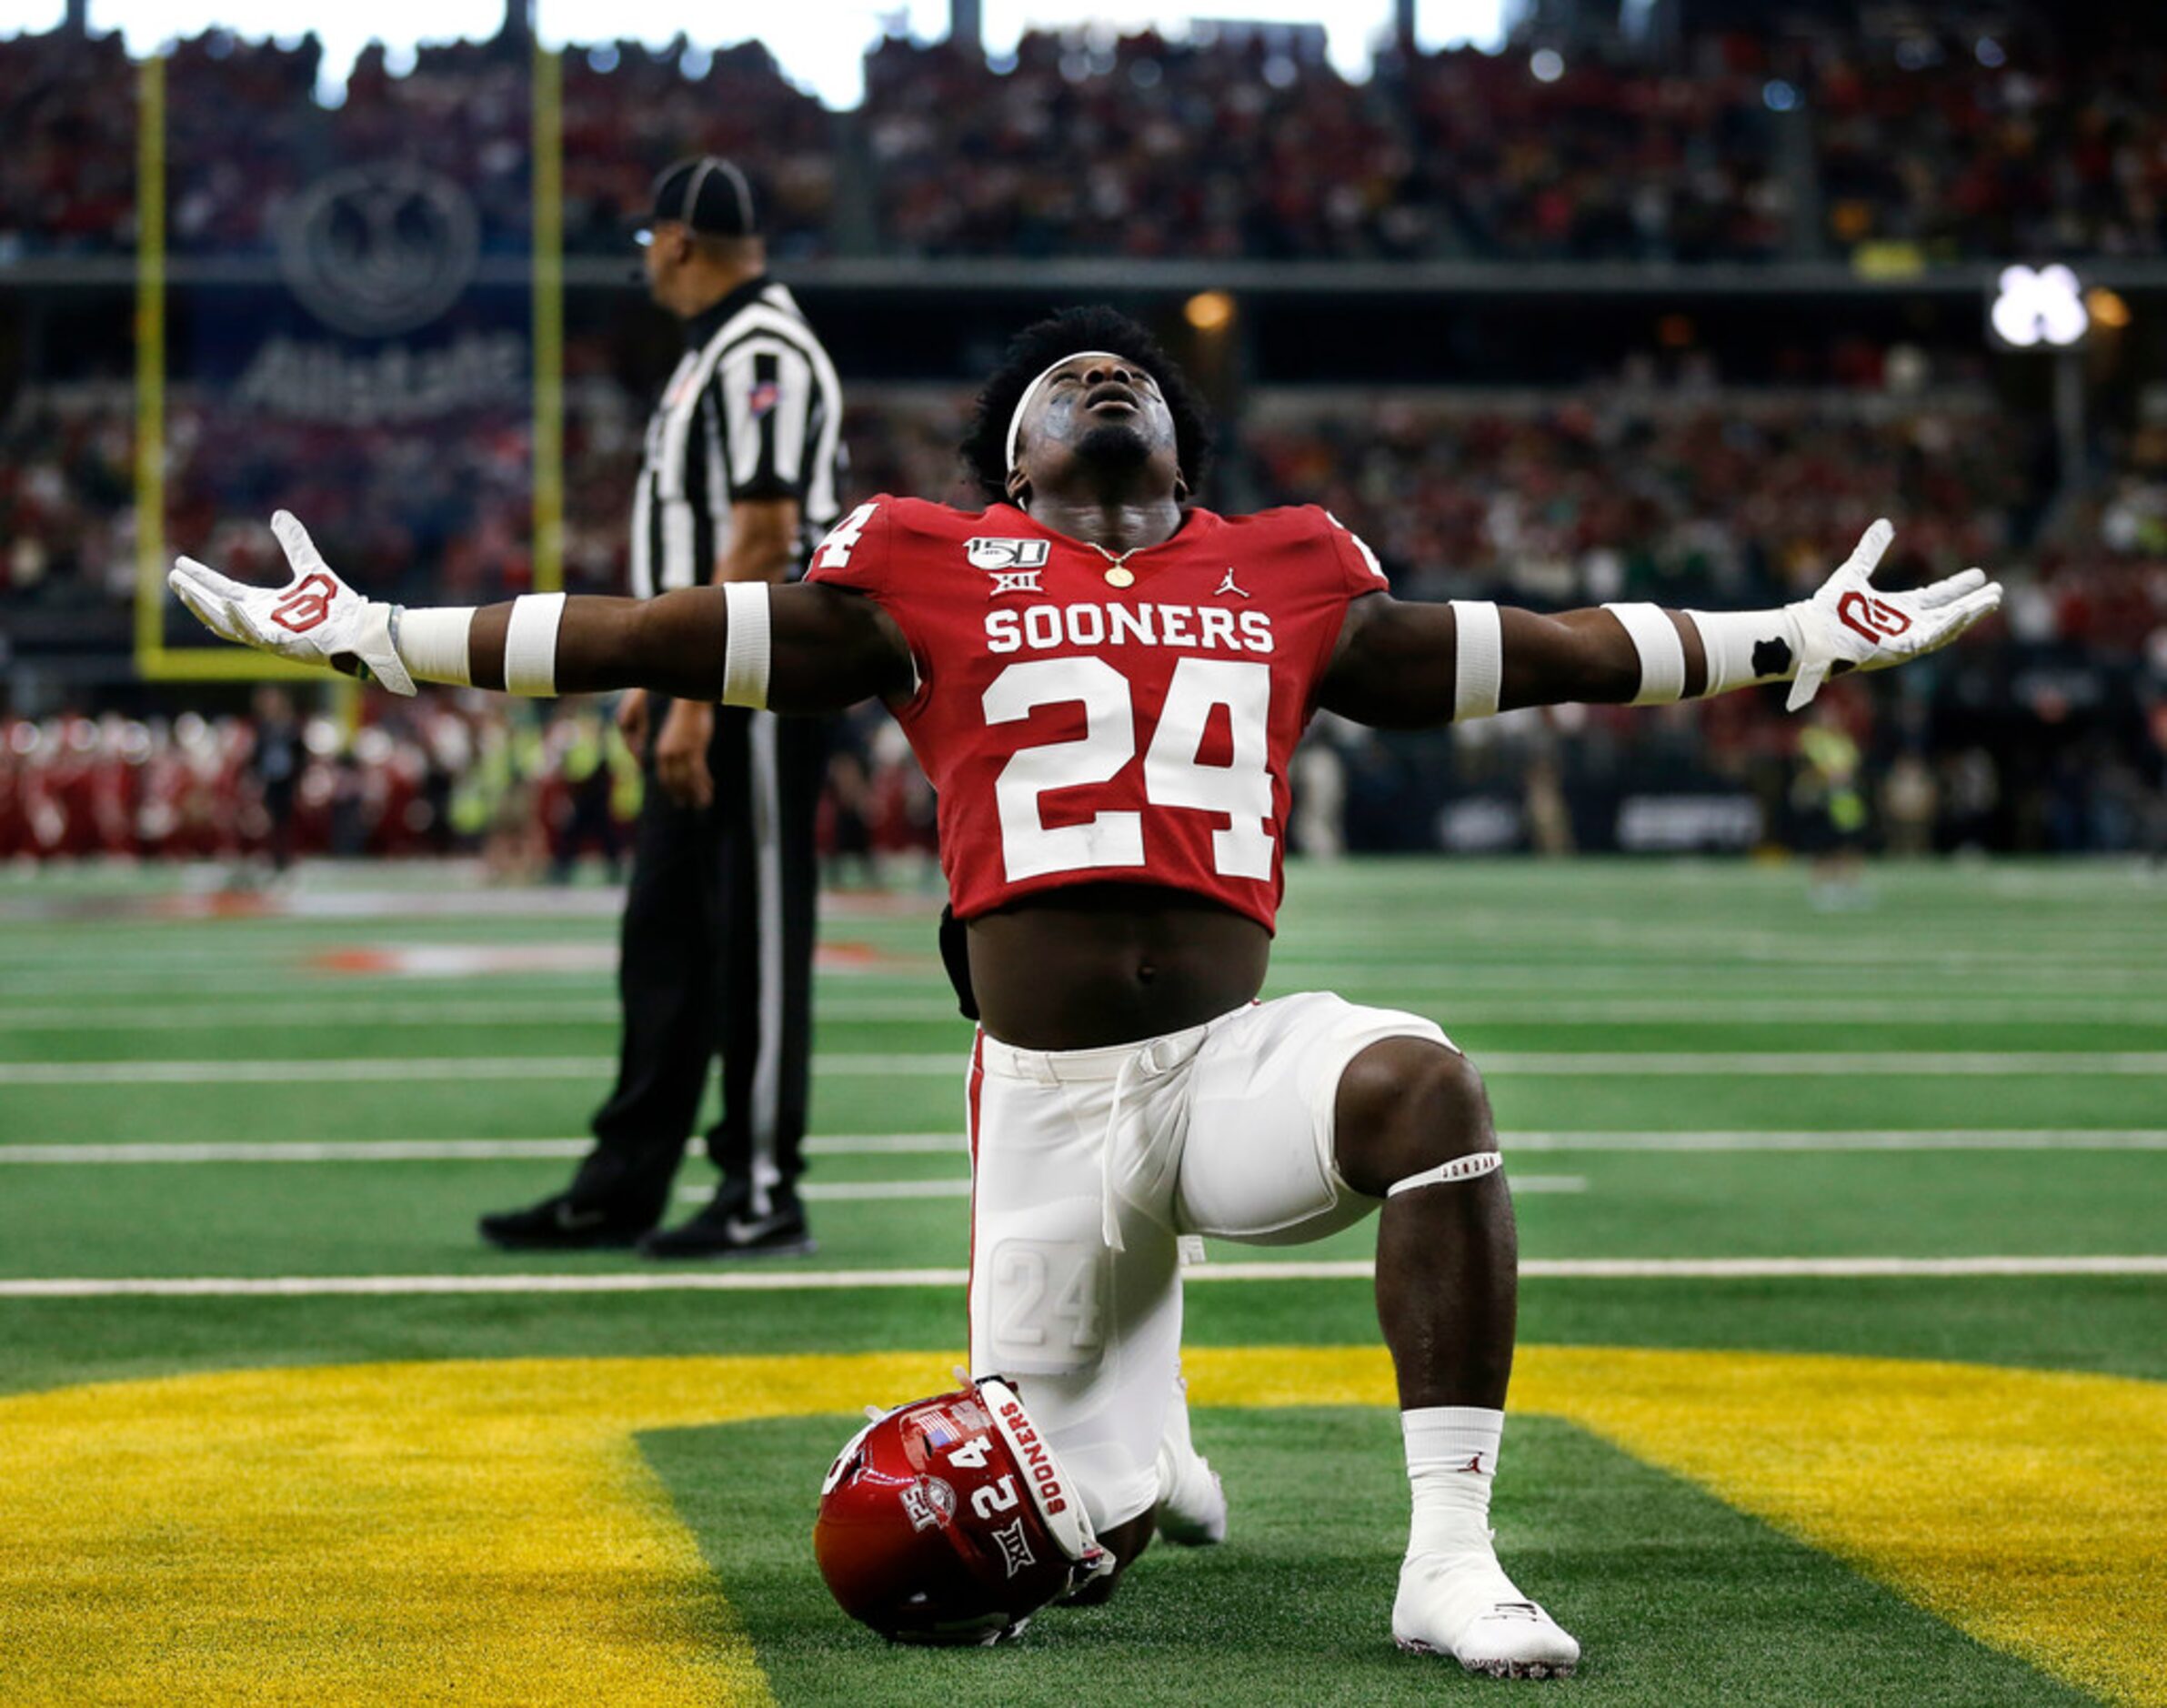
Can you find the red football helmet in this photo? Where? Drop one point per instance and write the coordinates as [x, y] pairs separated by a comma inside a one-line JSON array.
[[949, 1521]]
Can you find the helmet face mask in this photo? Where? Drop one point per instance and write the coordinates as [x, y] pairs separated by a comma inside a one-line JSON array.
[[949, 1521]]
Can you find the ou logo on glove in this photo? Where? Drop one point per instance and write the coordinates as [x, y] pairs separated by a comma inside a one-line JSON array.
[[1869, 616], [306, 606]]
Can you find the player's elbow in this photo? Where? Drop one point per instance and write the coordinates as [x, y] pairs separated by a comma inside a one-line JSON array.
[[1580, 656], [1583, 661], [672, 643]]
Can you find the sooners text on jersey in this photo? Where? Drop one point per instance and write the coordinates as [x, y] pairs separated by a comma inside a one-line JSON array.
[[1080, 731]]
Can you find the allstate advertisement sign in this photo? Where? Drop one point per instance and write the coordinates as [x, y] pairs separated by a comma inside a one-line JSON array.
[[381, 248], [383, 324]]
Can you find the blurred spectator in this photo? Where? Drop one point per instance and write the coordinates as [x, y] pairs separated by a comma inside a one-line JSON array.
[[245, 134], [276, 760], [629, 111], [1247, 145], [1964, 144], [1601, 163], [67, 176], [66, 494], [1722, 499]]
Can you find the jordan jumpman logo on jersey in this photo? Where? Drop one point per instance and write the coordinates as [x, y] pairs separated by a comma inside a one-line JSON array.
[[1228, 585]]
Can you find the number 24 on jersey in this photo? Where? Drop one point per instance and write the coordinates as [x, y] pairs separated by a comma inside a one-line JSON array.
[[1174, 774]]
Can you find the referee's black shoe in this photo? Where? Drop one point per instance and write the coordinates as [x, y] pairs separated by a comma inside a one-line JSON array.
[[728, 1227], [566, 1223]]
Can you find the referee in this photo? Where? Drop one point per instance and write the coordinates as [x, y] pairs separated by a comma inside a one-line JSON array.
[[738, 484]]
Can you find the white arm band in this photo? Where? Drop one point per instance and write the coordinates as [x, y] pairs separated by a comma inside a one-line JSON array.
[[1662, 654], [749, 650], [1479, 663], [530, 644], [432, 643], [1747, 647]]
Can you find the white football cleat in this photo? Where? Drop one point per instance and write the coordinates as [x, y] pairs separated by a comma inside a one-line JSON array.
[[1462, 1605], [1192, 1505]]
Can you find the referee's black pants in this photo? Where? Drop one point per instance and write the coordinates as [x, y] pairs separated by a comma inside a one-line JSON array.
[[715, 957]]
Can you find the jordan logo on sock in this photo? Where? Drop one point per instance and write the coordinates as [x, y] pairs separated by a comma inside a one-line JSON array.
[[1474, 1463]]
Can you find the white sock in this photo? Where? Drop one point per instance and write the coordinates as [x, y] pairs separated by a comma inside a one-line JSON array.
[[1452, 1462], [1176, 1445]]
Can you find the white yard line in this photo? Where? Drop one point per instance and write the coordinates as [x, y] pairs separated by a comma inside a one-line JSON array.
[[949, 1064], [1889, 1139], [323, 1150], [416, 1011], [790, 1281], [883, 1144], [1634, 1064], [430, 1149], [865, 1192], [1588, 978], [320, 1071], [1294, 971], [245, 1016], [1854, 1138], [1984, 1008]]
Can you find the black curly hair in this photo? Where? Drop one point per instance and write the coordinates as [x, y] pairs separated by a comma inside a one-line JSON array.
[[985, 446]]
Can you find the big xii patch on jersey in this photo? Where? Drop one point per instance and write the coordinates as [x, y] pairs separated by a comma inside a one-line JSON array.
[[1084, 720]]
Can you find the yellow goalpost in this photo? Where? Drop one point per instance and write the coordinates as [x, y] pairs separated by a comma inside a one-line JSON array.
[[154, 660]]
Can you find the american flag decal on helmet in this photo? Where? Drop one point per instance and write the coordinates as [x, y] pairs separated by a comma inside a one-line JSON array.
[[938, 1430]]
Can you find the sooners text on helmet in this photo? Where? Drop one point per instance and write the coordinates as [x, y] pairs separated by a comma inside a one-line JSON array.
[[1035, 1458]]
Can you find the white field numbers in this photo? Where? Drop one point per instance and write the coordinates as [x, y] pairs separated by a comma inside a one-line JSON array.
[[1174, 776]]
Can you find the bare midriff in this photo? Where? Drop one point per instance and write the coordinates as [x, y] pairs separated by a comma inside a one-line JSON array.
[[1111, 963]]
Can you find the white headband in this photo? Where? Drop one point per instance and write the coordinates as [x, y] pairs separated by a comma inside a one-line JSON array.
[[1031, 390]]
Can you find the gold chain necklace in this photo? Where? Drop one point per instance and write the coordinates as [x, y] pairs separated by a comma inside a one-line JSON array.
[[1118, 574]]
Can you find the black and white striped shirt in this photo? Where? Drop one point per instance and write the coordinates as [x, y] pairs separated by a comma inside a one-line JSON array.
[[754, 411]]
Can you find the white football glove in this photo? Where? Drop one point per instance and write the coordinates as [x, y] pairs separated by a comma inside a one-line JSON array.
[[1850, 624], [315, 619]]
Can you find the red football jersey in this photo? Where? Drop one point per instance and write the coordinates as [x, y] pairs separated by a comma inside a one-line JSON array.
[[1083, 723]]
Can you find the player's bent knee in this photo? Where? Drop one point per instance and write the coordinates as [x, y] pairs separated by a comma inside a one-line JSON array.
[[1406, 1105]]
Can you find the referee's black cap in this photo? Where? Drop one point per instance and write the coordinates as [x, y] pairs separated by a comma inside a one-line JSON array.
[[705, 194]]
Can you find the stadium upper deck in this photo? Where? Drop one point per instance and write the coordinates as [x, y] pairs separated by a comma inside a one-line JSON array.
[[1744, 150]]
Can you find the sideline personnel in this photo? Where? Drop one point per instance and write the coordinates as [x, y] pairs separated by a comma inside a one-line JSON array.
[[739, 475]]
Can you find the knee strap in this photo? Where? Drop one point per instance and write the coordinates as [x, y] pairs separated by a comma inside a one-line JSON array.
[[1467, 1168]]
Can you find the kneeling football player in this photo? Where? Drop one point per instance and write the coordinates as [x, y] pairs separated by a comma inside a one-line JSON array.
[[1105, 682]]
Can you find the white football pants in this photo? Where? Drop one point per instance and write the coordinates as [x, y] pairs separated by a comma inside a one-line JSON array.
[[1089, 1165]]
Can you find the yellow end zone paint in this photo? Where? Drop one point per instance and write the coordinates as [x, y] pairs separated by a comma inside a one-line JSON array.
[[2025, 1507], [486, 1529]]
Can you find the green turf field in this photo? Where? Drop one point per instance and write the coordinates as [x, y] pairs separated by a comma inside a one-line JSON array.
[[1845, 1306]]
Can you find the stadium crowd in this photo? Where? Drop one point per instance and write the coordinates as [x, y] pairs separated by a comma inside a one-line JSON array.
[[1237, 142], [532, 792], [68, 498], [1961, 147], [444, 512], [68, 176], [245, 134], [629, 110], [1726, 498], [1141, 148]]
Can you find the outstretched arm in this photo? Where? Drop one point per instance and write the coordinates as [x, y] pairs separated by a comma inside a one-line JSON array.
[[1401, 666], [791, 649]]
